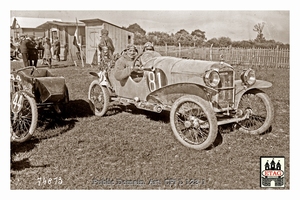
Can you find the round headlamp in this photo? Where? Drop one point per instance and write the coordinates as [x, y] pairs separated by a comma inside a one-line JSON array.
[[248, 77], [212, 78]]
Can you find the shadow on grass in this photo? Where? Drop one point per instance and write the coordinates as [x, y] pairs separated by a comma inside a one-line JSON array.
[[115, 109], [269, 130], [21, 148], [52, 124], [228, 129], [50, 120], [218, 141], [23, 164], [223, 129], [119, 108], [77, 108], [164, 116]]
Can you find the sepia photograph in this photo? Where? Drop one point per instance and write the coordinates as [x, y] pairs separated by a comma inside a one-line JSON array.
[[142, 99]]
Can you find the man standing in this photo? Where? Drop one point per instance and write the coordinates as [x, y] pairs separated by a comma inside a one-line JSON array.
[[40, 47], [106, 41], [56, 46], [33, 53], [24, 50], [66, 51]]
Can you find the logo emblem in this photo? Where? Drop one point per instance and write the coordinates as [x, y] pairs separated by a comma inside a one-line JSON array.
[[272, 171]]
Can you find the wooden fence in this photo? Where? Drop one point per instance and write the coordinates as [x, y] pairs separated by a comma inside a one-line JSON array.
[[270, 58]]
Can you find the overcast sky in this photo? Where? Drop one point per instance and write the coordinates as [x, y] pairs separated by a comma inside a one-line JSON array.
[[235, 24]]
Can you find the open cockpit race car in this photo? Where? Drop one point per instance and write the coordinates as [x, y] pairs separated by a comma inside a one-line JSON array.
[[199, 95]]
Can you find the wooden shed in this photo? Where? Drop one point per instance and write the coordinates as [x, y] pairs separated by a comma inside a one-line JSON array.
[[120, 37], [65, 32], [27, 25]]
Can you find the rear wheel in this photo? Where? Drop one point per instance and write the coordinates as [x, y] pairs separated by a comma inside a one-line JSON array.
[[24, 117], [193, 122], [98, 98], [261, 112]]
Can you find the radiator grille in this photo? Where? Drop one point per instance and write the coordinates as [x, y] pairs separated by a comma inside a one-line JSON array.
[[226, 89], [226, 79]]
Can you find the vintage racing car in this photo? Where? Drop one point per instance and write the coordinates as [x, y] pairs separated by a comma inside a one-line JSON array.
[[200, 96], [33, 88]]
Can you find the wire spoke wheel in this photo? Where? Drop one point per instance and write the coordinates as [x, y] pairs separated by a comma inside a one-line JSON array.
[[98, 98], [193, 122], [261, 110], [24, 120], [189, 118]]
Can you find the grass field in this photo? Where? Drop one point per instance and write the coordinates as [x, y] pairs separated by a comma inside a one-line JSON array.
[[133, 149]]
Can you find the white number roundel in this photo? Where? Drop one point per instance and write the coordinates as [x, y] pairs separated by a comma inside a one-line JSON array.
[[156, 80]]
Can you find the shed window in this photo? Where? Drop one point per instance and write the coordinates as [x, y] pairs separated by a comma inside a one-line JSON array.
[[129, 39], [54, 35]]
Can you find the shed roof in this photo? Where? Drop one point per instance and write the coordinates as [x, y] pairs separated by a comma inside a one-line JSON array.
[[59, 23], [100, 21], [29, 22]]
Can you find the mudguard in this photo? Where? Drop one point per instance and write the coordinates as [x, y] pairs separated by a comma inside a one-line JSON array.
[[101, 78], [242, 89], [168, 94]]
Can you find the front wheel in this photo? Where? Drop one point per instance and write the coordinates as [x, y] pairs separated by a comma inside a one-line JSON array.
[[193, 122], [23, 118], [261, 112], [98, 98]]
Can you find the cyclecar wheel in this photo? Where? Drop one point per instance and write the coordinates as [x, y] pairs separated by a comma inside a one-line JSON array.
[[193, 122]]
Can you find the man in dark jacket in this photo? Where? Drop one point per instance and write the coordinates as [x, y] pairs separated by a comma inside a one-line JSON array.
[[56, 48], [40, 47], [24, 50], [106, 41], [33, 53]]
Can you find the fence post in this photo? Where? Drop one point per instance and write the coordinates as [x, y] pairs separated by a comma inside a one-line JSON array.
[[210, 52], [179, 50], [166, 49]]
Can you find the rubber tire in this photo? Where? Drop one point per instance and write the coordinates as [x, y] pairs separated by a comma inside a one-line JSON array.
[[270, 113], [34, 120], [106, 98], [212, 119]]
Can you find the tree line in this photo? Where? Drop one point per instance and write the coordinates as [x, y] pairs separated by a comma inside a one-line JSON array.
[[197, 38]]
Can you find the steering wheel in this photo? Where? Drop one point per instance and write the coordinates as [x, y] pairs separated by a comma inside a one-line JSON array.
[[122, 52], [135, 61]]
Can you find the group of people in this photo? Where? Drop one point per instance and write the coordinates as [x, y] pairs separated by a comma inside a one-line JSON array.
[[124, 65], [33, 49]]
